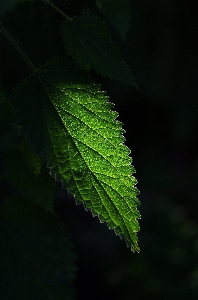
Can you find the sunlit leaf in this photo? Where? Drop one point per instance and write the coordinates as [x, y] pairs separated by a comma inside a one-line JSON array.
[[70, 122]]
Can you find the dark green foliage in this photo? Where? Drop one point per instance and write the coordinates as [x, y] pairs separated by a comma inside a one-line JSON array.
[[118, 13], [35, 254], [88, 40], [161, 130], [57, 124], [37, 187]]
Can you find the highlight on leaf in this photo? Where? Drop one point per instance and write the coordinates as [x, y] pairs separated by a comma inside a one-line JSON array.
[[88, 40], [69, 121]]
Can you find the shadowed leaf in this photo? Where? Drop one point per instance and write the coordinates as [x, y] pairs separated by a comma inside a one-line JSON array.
[[88, 40], [35, 254], [118, 14], [37, 187]]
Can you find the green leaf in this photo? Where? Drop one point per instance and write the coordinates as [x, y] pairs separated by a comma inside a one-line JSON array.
[[68, 119], [36, 255], [118, 13], [88, 40], [37, 187]]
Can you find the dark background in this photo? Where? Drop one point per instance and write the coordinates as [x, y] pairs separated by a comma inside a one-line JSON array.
[[161, 126]]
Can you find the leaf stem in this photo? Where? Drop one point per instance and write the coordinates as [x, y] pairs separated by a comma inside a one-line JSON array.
[[57, 9], [18, 48]]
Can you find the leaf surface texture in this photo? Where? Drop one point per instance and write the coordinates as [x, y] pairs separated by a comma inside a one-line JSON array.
[[69, 122]]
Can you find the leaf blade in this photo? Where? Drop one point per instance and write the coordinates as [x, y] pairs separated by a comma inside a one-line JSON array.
[[39, 188], [118, 13], [87, 39], [83, 144]]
